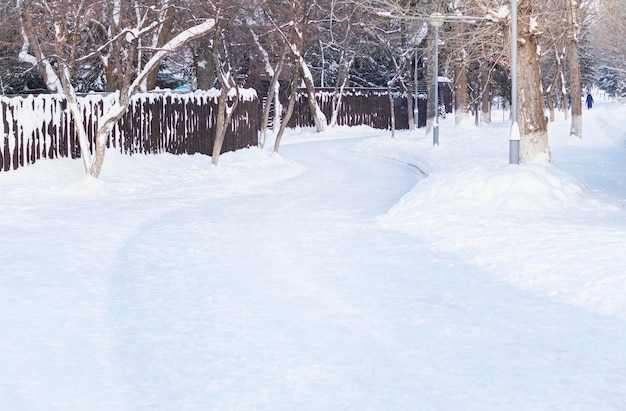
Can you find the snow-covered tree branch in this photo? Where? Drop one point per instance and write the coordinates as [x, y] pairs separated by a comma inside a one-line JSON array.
[[55, 50]]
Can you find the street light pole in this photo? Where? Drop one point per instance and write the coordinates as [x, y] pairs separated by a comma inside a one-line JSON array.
[[515, 134], [436, 20]]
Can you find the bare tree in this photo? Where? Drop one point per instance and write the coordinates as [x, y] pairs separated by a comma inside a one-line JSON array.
[[296, 22], [607, 33], [61, 25], [269, 45]]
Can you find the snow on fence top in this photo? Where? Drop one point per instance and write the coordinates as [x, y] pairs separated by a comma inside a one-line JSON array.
[[36, 127]]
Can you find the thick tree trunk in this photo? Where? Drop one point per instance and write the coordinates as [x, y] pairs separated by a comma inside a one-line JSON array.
[[430, 87], [205, 68], [110, 74], [485, 95], [576, 128], [531, 119], [461, 98]]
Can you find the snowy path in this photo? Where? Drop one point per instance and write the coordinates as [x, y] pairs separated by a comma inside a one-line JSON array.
[[291, 297]]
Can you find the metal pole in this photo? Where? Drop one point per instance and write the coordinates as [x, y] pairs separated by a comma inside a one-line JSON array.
[[515, 134], [436, 94]]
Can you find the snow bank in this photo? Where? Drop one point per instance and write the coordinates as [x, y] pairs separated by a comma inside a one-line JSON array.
[[536, 226]]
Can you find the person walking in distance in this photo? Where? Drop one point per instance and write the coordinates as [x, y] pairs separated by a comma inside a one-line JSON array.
[[589, 101]]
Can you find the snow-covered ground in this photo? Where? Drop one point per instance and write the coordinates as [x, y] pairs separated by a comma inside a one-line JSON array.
[[327, 277]]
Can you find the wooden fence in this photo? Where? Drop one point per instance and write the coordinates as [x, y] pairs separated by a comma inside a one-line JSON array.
[[36, 127], [359, 106]]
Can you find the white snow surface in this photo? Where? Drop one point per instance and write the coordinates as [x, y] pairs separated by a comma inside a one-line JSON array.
[[334, 276]]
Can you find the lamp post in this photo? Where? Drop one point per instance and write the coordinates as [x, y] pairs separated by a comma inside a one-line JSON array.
[[436, 20], [515, 134]]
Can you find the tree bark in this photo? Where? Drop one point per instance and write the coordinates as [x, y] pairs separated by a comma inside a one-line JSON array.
[[164, 33], [224, 111], [576, 128], [342, 81], [224, 114], [485, 95], [290, 106], [392, 111], [205, 69], [461, 100], [319, 118], [531, 119], [272, 94], [430, 88]]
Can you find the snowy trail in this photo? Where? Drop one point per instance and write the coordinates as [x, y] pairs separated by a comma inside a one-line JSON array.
[[292, 297], [169, 284]]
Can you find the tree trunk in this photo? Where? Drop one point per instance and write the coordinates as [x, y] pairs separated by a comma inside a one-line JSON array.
[[342, 80], [461, 100], [531, 119], [485, 96], [564, 97], [319, 118], [290, 106], [550, 104], [205, 69], [77, 117], [392, 111], [39, 60], [102, 137], [271, 94], [410, 106], [224, 116], [224, 111], [550, 92], [164, 33], [576, 128], [430, 88], [220, 126]]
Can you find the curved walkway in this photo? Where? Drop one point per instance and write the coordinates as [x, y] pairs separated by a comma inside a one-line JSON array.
[[292, 297]]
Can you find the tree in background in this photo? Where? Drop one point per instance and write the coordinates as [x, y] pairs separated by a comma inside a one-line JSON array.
[[381, 43], [55, 46], [607, 34]]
